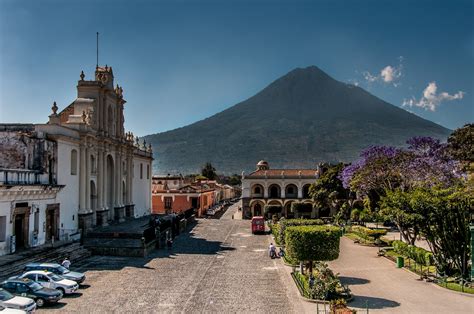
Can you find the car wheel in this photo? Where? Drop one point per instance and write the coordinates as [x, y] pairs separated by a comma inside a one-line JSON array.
[[63, 292], [40, 302]]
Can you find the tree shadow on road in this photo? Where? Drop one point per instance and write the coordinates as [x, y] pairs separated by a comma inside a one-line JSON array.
[[189, 244], [362, 301], [353, 280], [185, 243]]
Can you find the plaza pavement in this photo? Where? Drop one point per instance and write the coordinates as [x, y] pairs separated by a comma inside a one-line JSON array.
[[388, 289], [220, 267]]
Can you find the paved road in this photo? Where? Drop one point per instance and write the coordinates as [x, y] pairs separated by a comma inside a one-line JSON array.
[[219, 267], [388, 289]]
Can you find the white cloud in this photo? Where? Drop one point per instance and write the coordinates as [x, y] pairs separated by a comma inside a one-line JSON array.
[[431, 99], [388, 75]]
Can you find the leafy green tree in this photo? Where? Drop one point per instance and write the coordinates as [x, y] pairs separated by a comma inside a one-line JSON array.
[[445, 225], [313, 243], [209, 171], [461, 143], [328, 191], [395, 206], [235, 180]]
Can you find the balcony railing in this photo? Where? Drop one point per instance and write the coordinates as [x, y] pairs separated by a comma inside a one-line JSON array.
[[25, 177]]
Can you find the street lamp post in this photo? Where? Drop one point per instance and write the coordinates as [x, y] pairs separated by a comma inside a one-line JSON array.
[[471, 228]]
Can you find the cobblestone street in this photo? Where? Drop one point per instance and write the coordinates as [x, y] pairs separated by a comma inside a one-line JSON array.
[[218, 267]]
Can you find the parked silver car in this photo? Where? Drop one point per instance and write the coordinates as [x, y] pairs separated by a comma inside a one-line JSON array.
[[10, 301], [50, 280]]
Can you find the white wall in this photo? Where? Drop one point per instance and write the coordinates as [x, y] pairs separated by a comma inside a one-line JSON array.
[[68, 197], [141, 194], [39, 205]]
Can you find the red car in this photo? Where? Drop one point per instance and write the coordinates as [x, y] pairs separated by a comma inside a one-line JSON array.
[[258, 224]]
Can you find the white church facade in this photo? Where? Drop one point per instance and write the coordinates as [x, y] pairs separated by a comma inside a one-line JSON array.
[[78, 171]]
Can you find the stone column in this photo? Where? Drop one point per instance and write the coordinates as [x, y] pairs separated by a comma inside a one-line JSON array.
[[118, 198], [100, 178], [300, 190], [82, 178], [130, 179], [265, 190], [88, 179]]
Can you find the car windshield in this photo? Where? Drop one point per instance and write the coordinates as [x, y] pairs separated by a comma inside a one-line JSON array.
[[5, 295], [63, 270], [35, 286], [56, 277]]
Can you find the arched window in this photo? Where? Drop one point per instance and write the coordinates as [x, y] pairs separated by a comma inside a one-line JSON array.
[[257, 190], [291, 191], [73, 162], [274, 191]]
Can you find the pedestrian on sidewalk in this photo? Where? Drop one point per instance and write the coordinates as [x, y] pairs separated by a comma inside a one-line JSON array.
[[66, 263]]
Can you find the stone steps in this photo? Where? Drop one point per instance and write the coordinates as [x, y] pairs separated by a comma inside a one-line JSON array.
[[74, 251]]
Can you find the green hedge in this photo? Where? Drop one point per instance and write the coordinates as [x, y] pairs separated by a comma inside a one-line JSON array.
[[276, 232], [419, 255], [367, 233], [312, 243], [284, 223]]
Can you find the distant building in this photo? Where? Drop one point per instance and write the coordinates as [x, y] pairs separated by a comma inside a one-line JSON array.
[[79, 170], [277, 189], [174, 194]]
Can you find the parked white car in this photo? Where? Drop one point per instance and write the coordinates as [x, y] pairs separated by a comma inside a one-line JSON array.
[[9, 301], [6, 310], [52, 281]]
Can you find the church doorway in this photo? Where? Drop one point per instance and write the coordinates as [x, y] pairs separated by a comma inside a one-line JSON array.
[[52, 222], [21, 225]]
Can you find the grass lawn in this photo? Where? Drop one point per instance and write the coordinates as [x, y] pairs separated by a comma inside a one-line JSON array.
[[456, 287], [411, 264], [354, 236]]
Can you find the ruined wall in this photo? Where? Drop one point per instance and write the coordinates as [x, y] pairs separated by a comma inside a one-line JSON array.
[[23, 148]]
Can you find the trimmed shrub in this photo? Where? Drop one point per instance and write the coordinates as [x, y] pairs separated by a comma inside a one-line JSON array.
[[276, 232], [284, 223], [368, 233], [313, 243]]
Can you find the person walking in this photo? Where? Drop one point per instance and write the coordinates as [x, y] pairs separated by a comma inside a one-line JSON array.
[[272, 250], [66, 263]]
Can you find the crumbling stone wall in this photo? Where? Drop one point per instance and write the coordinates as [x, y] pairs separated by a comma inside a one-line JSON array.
[[22, 148]]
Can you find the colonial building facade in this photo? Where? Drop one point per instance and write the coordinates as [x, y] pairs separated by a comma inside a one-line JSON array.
[[82, 162], [277, 188], [175, 194]]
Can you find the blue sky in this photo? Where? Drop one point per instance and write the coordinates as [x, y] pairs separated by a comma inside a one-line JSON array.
[[182, 61]]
